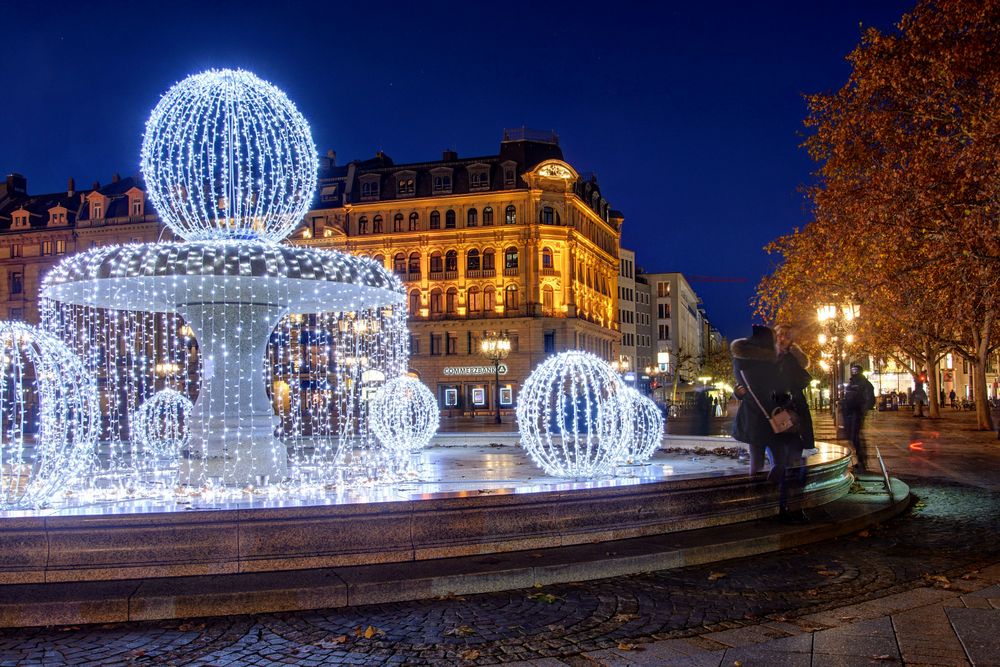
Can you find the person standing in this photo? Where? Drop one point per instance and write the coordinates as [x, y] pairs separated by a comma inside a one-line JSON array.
[[859, 398], [951, 398], [792, 369], [919, 399]]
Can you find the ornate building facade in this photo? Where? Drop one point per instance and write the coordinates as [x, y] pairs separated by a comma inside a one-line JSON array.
[[518, 242]]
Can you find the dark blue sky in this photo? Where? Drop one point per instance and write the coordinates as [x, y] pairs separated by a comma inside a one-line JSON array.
[[689, 113]]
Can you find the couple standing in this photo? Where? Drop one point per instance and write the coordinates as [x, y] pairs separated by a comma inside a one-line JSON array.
[[771, 373]]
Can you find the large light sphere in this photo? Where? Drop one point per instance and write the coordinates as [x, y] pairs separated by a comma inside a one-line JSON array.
[[161, 426], [404, 414], [574, 416], [49, 415], [647, 428], [226, 155]]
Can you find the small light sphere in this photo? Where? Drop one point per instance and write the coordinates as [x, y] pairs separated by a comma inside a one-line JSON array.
[[227, 156], [574, 416], [161, 427], [404, 414], [647, 429], [50, 417]]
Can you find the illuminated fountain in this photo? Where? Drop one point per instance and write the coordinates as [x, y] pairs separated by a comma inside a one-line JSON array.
[[231, 167]]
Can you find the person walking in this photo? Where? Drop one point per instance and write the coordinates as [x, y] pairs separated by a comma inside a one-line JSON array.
[[919, 400], [793, 370], [951, 398], [759, 388], [859, 398]]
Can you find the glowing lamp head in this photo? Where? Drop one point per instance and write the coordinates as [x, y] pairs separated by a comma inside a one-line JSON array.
[[227, 156]]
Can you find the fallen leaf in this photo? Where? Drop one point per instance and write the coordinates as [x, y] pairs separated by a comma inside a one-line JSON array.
[[865, 533], [450, 596], [624, 618], [714, 576], [460, 631], [625, 646], [827, 573], [737, 663], [885, 657], [371, 631], [469, 654], [547, 598]]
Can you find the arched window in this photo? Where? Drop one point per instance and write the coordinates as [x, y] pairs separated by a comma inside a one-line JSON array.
[[380, 259], [510, 258], [472, 260], [414, 222], [546, 216], [397, 222], [449, 220], [436, 302], [414, 265], [510, 297], [435, 220], [488, 260], [437, 265], [546, 258], [489, 301], [487, 216], [399, 263], [471, 218], [377, 224], [451, 301], [475, 300], [548, 297], [451, 261], [414, 303], [510, 215], [363, 224]]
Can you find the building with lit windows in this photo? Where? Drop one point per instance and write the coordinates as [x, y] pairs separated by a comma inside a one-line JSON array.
[[678, 333], [517, 242]]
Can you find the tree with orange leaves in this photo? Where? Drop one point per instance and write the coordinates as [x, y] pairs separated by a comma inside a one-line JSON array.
[[907, 198]]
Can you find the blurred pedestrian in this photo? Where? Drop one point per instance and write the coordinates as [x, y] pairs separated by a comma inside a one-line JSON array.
[[793, 367], [919, 399], [951, 398], [859, 399]]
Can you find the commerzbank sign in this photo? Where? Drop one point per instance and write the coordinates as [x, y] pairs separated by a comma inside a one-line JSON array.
[[473, 370]]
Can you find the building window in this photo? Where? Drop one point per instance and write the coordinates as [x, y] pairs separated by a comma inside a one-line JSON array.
[[414, 222], [399, 263], [510, 297], [488, 257], [479, 180], [550, 342], [435, 220], [449, 220], [487, 216], [489, 298], [471, 218], [435, 344], [15, 314], [472, 261], [508, 176], [510, 258], [548, 298], [363, 225], [664, 332], [413, 267], [663, 311], [414, 306], [397, 222], [98, 212], [662, 289], [414, 345], [451, 261], [405, 186], [328, 193], [451, 301], [136, 207], [46, 247], [547, 216], [61, 247], [546, 258], [442, 183], [369, 190], [436, 302], [510, 215], [16, 279], [377, 224], [16, 250], [380, 259], [452, 342], [475, 299], [437, 266]]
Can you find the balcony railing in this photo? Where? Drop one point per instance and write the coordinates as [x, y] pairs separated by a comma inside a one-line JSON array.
[[437, 275], [450, 275], [489, 273], [473, 273], [512, 271], [413, 277], [549, 272]]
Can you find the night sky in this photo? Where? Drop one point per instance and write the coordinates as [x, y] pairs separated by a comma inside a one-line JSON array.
[[690, 114]]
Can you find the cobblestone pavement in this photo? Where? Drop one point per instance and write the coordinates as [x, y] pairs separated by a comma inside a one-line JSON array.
[[949, 533]]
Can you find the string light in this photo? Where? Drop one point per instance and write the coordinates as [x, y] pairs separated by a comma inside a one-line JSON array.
[[404, 414], [161, 427], [647, 428], [226, 155], [49, 416], [574, 416]]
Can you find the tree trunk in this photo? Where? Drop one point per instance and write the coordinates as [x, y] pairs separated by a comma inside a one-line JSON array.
[[933, 401], [981, 339]]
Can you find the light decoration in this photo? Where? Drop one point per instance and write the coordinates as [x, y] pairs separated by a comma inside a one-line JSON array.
[[272, 340], [575, 416], [161, 427], [226, 155], [48, 413], [647, 429], [404, 415]]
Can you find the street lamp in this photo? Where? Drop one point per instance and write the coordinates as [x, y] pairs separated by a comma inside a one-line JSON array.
[[495, 346], [839, 321]]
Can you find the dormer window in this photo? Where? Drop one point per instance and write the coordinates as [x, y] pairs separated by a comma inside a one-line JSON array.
[[441, 180], [98, 212], [479, 177], [328, 193], [406, 184], [369, 187], [136, 207], [509, 174], [20, 220]]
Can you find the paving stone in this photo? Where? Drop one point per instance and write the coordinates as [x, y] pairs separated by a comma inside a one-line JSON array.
[[979, 632]]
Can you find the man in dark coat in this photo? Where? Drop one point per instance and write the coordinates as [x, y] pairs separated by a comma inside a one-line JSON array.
[[859, 399]]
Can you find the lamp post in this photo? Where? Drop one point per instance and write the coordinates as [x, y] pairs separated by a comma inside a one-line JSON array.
[[495, 346], [839, 321]]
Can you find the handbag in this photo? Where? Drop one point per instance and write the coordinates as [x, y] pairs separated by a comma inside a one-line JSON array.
[[782, 420]]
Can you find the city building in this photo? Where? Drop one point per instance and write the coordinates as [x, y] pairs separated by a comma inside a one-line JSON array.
[[678, 334]]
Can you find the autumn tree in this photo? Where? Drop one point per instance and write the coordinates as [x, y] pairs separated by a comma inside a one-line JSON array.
[[906, 194]]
